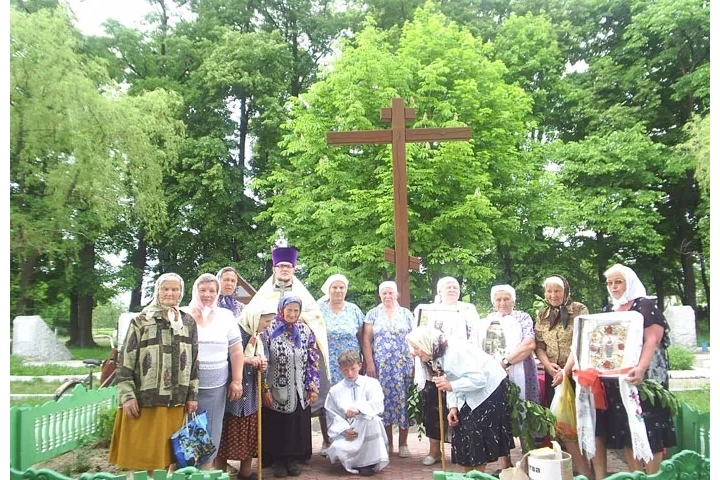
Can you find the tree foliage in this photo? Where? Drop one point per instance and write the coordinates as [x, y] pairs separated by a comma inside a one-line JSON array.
[[590, 145]]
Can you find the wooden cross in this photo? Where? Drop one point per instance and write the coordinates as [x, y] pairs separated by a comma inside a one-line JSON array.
[[398, 136]]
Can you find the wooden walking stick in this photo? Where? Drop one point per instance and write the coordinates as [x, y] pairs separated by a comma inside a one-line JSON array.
[[442, 429], [259, 424]]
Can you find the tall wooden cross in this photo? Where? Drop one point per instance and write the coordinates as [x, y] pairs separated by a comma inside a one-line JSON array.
[[398, 136]]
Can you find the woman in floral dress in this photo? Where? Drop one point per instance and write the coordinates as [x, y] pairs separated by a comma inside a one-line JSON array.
[[388, 359], [344, 323]]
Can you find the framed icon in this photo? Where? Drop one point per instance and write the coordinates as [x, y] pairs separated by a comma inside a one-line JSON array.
[[608, 342]]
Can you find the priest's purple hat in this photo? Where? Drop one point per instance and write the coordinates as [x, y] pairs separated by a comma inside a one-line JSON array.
[[284, 254]]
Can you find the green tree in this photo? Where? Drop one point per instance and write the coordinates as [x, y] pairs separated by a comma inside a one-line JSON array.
[[335, 204], [79, 151]]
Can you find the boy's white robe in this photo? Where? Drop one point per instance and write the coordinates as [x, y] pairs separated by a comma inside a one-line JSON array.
[[369, 448]]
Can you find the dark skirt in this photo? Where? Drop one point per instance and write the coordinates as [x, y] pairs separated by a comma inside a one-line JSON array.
[[431, 413], [613, 422], [484, 434], [286, 436]]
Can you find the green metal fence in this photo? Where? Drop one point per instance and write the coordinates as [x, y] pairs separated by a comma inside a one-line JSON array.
[[45, 431], [188, 473], [685, 465], [693, 431]]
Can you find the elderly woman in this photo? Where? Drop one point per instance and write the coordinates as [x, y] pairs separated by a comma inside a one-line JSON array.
[[458, 320], [240, 424], [508, 335], [228, 278], [155, 390], [343, 322], [553, 342], [293, 383], [477, 396], [612, 427], [218, 340], [388, 359]]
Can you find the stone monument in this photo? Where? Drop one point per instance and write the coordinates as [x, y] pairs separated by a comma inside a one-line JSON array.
[[682, 326], [33, 340]]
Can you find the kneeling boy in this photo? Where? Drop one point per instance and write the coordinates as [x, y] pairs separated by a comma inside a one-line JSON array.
[[356, 431]]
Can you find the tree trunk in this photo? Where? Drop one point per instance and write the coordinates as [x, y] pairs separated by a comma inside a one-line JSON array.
[[139, 263], [85, 282], [24, 305]]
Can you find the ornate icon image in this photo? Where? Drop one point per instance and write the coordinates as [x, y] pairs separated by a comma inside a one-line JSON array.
[[607, 346]]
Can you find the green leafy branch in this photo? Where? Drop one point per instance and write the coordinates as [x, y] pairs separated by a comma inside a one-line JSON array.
[[415, 409], [653, 391], [529, 419]]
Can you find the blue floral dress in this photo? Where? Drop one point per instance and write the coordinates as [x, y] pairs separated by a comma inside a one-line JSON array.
[[342, 329], [393, 362]]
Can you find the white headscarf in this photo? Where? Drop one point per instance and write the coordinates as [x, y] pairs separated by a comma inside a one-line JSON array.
[[634, 287], [388, 284], [441, 283], [172, 313], [325, 289], [196, 307], [502, 288]]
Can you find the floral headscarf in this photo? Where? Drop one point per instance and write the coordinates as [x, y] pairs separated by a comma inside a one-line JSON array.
[[227, 301], [172, 313], [282, 326], [431, 341]]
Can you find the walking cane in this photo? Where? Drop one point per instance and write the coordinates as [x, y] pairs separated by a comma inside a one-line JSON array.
[[259, 424], [442, 429]]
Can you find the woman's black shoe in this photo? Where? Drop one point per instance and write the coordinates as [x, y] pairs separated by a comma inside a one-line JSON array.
[[293, 469]]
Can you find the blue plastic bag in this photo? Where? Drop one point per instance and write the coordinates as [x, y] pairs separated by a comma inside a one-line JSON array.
[[191, 444]]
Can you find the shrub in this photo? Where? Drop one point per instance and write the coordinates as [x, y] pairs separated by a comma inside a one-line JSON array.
[[680, 358], [105, 427]]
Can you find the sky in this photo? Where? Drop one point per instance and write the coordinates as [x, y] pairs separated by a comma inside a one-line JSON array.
[[92, 13]]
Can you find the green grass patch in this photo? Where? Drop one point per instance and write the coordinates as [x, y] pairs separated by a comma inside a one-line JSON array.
[[30, 402], [18, 367], [698, 399], [34, 386]]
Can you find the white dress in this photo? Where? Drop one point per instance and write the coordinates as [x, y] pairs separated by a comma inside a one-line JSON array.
[[369, 448]]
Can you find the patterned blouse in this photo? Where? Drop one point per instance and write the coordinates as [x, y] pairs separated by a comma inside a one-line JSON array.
[[558, 341], [342, 329], [158, 367], [290, 367]]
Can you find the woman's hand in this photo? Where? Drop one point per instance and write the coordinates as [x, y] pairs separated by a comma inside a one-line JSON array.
[[370, 371], [191, 406], [636, 375], [312, 396], [442, 383], [261, 364], [267, 399], [131, 409], [557, 378], [453, 418], [235, 390], [552, 369]]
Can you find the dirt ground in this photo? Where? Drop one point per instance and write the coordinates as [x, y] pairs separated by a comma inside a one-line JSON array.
[[86, 458]]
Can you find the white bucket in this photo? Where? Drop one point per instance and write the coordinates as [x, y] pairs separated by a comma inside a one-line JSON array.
[[544, 465]]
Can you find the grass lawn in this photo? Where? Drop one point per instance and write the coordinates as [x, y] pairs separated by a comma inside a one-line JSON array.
[[698, 399]]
